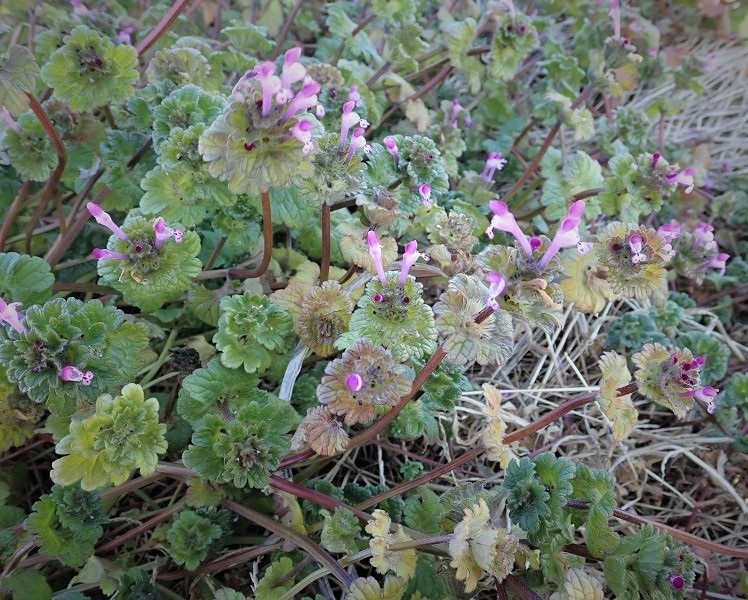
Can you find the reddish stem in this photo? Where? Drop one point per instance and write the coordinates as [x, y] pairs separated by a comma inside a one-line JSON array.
[[324, 269], [267, 248], [155, 34]]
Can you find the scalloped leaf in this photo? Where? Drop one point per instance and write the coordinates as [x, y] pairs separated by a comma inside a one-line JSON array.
[[18, 73], [25, 279]]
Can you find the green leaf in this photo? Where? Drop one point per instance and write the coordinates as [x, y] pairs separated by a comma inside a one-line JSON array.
[[90, 71], [528, 499], [244, 446], [269, 587], [341, 532], [152, 276], [25, 279], [249, 38], [30, 150], [716, 353], [190, 538], [18, 73], [424, 513], [23, 584], [215, 388], [123, 434]]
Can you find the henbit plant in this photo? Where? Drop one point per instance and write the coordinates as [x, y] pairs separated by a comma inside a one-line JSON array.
[[243, 254]]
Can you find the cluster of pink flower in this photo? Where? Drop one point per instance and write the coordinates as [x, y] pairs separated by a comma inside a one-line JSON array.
[[684, 177], [567, 233], [688, 377], [162, 231], [410, 256], [350, 120], [704, 242]]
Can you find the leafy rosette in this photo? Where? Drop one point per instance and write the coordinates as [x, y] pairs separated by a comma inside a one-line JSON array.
[[635, 258], [191, 537], [363, 382], [30, 150], [242, 447], [66, 524], [515, 37], [18, 72], [103, 449], [183, 108], [324, 316], [253, 332], [464, 340], [334, 174], [414, 161], [90, 71], [586, 283], [214, 389], [395, 316], [67, 332], [178, 67], [150, 271], [529, 295]]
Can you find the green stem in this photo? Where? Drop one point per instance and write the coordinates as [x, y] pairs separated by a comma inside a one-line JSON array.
[[339, 50], [324, 269], [267, 248], [315, 550], [163, 357], [214, 255]]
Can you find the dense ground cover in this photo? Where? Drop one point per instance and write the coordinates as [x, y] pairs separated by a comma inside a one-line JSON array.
[[388, 299]]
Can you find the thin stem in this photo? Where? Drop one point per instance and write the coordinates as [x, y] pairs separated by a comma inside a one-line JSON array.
[[519, 587], [215, 253], [13, 211], [82, 287], [379, 426], [155, 34], [531, 168], [683, 536], [51, 186], [163, 357], [315, 496], [431, 84], [324, 269], [286, 28], [55, 254], [320, 554], [43, 440], [142, 528], [339, 50], [348, 274], [222, 564], [267, 250]]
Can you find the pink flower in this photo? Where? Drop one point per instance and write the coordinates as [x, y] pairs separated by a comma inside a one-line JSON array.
[[8, 118], [497, 287], [410, 256], [457, 108], [10, 315], [494, 161], [389, 143], [704, 236], [424, 190], [375, 251], [615, 14], [655, 159], [302, 131], [354, 382], [584, 247], [163, 233], [348, 120], [71, 373], [354, 96], [676, 581], [567, 234], [685, 178], [717, 262], [102, 218], [636, 243], [306, 98], [320, 111], [104, 254], [504, 220], [270, 83], [292, 71], [125, 35], [357, 141], [705, 394], [669, 232]]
